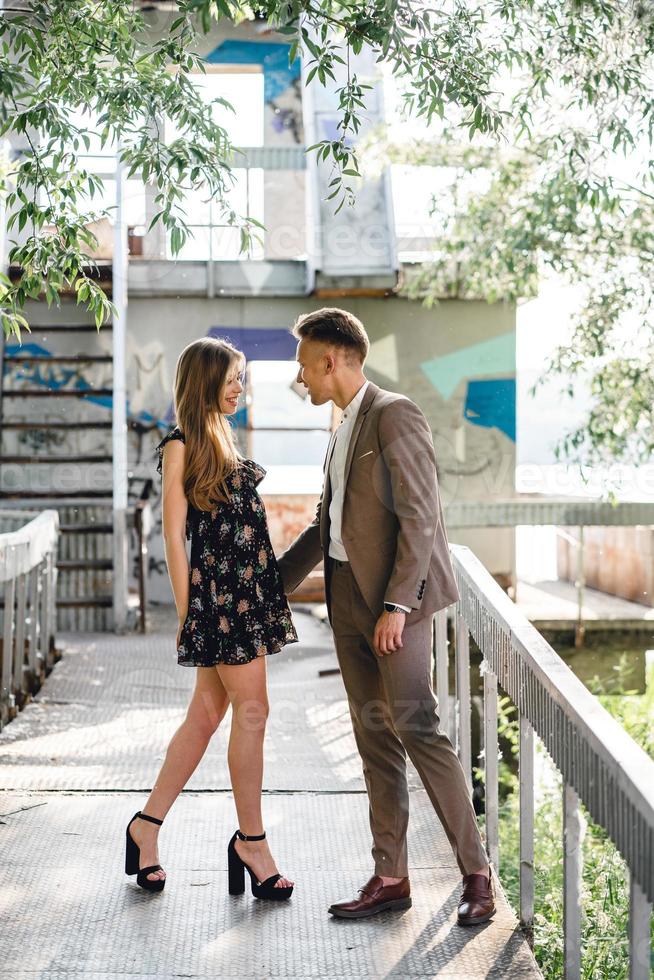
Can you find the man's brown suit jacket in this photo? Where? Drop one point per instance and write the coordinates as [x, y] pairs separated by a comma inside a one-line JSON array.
[[392, 524]]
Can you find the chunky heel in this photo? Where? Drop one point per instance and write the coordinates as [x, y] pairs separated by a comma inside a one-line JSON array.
[[236, 868], [133, 856]]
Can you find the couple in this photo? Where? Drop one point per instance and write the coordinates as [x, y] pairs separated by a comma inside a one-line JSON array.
[[379, 529]]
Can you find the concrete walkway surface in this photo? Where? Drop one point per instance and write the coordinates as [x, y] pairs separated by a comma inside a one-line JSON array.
[[79, 760]]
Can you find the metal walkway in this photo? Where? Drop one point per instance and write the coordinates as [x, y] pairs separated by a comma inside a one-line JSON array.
[[75, 765], [554, 605]]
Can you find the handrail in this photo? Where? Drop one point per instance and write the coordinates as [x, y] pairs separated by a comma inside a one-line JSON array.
[[28, 575], [546, 510], [566, 511], [601, 765], [23, 548]]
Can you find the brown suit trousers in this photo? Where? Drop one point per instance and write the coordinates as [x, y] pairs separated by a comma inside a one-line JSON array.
[[393, 712]]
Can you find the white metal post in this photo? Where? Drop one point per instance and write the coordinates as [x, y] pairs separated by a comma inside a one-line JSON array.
[[119, 415], [20, 670], [526, 764], [572, 864], [8, 644], [442, 693], [640, 917], [33, 657], [312, 200], [491, 790], [464, 746]]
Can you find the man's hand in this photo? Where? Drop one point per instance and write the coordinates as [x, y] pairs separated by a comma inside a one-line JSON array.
[[388, 632]]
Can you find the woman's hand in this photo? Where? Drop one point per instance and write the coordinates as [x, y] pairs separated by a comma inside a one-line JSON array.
[[179, 633]]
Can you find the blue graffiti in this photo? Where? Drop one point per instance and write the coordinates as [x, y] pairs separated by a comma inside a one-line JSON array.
[[492, 403], [272, 56], [54, 378]]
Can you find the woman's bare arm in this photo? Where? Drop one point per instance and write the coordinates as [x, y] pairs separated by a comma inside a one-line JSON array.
[[174, 510]]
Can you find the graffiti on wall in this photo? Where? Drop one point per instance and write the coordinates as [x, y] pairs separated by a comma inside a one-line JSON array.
[[491, 404], [147, 390], [489, 401], [54, 377]]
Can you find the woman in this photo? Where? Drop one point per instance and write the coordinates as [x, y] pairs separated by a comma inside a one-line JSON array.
[[232, 612]]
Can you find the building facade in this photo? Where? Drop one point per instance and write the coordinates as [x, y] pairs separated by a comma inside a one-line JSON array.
[[456, 360]]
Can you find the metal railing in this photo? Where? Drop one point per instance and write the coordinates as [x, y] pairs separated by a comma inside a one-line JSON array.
[[601, 765], [561, 511], [222, 238], [28, 571], [558, 511]]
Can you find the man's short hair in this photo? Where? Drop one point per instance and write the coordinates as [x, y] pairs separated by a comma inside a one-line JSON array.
[[334, 326]]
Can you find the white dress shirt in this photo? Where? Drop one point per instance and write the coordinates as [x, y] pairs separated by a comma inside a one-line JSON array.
[[337, 472], [341, 442]]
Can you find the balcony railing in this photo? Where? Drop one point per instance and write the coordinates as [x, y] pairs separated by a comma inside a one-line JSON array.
[[28, 569], [601, 765]]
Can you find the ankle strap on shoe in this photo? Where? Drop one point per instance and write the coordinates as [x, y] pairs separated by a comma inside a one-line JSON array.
[[250, 836], [146, 816]]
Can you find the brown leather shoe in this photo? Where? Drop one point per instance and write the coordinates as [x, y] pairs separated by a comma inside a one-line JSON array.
[[477, 902], [374, 897]]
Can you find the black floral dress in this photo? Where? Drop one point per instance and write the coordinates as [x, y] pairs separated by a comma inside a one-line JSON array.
[[237, 609]]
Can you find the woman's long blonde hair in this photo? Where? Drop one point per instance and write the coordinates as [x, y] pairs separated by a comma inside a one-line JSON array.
[[211, 454]]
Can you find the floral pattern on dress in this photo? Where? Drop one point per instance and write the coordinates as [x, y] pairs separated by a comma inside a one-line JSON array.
[[237, 608]]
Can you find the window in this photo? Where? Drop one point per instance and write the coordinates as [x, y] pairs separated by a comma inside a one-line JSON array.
[[101, 160], [212, 238], [244, 90], [414, 190], [286, 434], [425, 199]]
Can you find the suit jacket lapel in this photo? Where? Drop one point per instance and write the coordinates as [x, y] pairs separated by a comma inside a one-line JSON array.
[[326, 492], [368, 399], [328, 458]]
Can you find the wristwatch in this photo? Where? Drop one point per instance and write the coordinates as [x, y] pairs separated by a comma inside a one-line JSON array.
[[391, 608]]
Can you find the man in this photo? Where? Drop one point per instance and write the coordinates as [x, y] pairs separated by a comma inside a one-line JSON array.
[[379, 528]]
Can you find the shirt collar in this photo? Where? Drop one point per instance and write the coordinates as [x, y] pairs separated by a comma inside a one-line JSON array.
[[352, 408]]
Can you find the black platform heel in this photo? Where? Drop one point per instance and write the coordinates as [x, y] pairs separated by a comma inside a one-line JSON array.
[[133, 855], [236, 868]]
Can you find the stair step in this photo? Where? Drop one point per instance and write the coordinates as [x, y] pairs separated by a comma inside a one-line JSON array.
[[56, 425], [70, 564], [60, 358], [67, 602], [86, 528], [56, 459], [75, 496], [56, 393]]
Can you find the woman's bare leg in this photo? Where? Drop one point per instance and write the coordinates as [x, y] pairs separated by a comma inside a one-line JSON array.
[[187, 746], [246, 688]]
